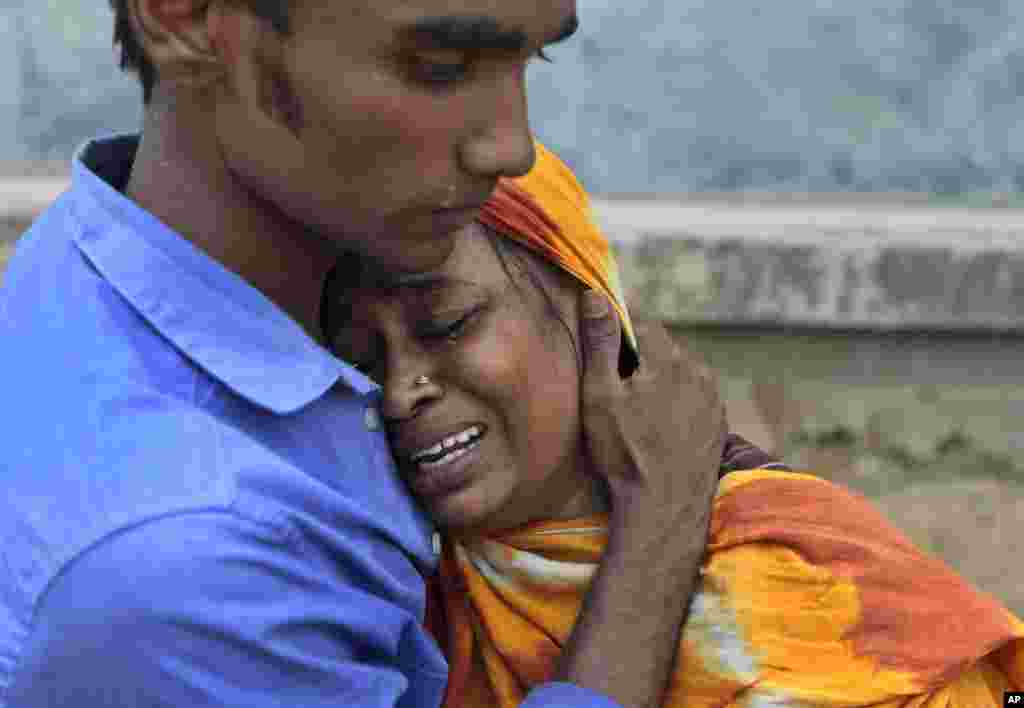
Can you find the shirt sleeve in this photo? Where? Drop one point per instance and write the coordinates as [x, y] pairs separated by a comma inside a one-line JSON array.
[[209, 609]]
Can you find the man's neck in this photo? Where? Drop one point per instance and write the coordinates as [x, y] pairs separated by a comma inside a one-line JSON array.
[[180, 177]]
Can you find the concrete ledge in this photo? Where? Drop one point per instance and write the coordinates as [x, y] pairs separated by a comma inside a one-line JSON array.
[[819, 261], [22, 199], [847, 266]]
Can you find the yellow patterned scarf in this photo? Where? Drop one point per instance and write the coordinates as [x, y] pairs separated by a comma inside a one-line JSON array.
[[807, 597]]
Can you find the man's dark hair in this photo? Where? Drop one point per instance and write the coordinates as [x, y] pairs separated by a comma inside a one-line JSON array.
[[133, 57]]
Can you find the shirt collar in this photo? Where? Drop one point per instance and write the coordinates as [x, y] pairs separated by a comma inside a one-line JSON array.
[[214, 317]]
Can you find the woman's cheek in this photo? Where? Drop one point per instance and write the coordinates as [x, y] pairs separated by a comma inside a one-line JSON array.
[[500, 360]]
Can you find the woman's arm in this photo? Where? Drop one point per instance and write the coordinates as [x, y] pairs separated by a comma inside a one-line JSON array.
[[657, 439]]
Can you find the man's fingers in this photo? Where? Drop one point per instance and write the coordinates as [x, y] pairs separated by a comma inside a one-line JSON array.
[[664, 354], [601, 333]]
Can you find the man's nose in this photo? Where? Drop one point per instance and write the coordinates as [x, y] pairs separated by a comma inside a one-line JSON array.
[[502, 145]]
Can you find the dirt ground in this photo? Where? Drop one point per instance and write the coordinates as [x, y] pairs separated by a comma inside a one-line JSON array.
[[977, 526]]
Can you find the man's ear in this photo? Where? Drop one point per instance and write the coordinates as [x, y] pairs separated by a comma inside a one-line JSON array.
[[176, 36]]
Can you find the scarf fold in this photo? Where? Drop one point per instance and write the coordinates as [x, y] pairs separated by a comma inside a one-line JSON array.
[[548, 211], [807, 597]]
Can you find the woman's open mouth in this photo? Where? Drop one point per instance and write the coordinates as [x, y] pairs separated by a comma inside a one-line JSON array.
[[446, 466]]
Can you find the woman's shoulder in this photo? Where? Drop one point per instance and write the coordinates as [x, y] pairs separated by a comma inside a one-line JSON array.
[[826, 527], [757, 503]]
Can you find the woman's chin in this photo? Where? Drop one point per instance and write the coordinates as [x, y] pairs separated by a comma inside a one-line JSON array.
[[467, 511], [458, 511]]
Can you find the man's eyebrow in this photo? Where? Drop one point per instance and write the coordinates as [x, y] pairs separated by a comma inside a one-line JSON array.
[[475, 32]]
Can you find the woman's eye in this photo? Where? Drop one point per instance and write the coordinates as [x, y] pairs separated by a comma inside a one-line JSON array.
[[450, 330]]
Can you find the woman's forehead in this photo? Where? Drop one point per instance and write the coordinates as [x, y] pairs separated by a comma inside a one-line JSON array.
[[472, 265], [472, 268]]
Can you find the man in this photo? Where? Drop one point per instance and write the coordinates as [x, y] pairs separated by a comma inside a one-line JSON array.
[[200, 508]]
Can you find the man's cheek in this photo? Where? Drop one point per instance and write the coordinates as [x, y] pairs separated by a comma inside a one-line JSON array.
[[420, 119], [389, 138]]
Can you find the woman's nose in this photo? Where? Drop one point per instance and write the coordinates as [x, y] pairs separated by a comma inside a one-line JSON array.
[[405, 395]]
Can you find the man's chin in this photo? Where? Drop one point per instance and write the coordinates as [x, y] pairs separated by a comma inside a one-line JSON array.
[[415, 249], [408, 256]]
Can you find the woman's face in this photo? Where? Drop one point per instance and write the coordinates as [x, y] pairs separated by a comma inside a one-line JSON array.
[[503, 386]]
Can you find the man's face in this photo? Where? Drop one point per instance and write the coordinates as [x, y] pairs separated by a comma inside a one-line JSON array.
[[383, 124]]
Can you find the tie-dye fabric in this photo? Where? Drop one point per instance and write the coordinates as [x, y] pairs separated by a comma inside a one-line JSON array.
[[807, 598]]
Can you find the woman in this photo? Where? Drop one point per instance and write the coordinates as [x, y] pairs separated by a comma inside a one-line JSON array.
[[808, 597]]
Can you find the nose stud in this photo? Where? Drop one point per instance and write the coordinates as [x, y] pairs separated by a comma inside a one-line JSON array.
[[421, 381]]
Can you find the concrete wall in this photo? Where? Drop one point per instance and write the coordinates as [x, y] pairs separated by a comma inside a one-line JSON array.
[[869, 265]]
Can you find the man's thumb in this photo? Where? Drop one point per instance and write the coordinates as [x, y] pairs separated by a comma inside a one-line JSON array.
[[601, 336]]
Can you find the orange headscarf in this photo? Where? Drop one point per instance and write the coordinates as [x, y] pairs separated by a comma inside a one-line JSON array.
[[549, 212], [808, 597]]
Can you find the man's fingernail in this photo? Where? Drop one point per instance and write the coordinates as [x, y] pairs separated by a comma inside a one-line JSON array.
[[594, 305]]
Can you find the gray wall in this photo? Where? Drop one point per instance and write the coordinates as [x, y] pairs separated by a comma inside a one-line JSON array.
[[666, 95]]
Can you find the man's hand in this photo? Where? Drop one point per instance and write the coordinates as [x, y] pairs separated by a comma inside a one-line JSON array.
[[657, 439]]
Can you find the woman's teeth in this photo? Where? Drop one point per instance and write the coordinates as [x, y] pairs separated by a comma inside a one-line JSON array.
[[449, 442], [450, 457]]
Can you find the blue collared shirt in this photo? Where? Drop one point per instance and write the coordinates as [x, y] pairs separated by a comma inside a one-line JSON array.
[[199, 505]]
